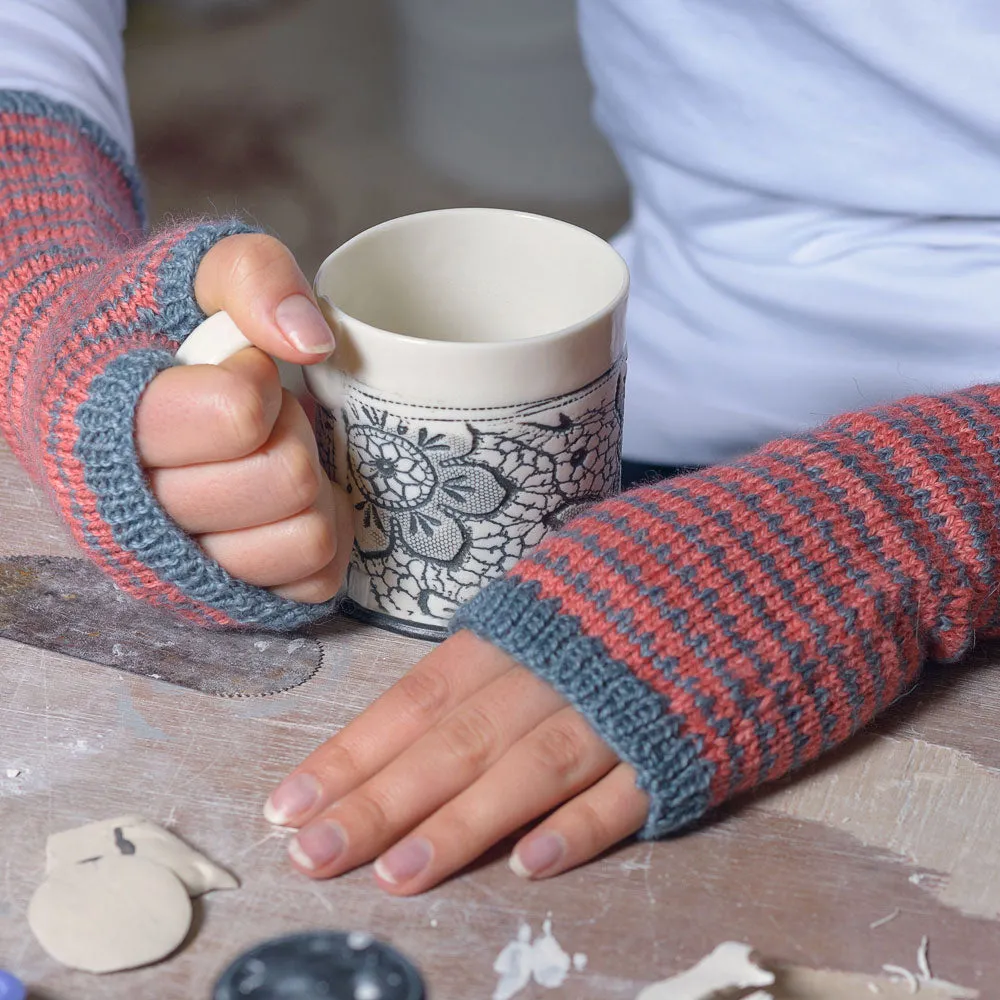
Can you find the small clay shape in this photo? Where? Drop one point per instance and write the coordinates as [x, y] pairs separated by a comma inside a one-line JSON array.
[[133, 835], [112, 913]]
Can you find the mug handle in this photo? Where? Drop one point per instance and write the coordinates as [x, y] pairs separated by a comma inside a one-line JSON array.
[[212, 342]]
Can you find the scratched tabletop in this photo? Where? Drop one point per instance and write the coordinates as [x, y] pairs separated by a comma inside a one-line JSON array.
[[905, 824]]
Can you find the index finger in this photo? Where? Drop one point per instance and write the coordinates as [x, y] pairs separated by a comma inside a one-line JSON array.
[[437, 685], [256, 280]]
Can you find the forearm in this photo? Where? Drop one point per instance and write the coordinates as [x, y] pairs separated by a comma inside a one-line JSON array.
[[724, 628]]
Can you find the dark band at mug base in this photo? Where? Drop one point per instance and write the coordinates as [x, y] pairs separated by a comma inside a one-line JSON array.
[[412, 630]]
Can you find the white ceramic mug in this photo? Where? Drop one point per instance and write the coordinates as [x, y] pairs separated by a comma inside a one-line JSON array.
[[474, 399]]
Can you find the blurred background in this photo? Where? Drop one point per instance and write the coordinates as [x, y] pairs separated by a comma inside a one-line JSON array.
[[320, 118]]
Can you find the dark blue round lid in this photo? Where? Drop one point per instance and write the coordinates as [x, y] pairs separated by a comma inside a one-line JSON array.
[[321, 965]]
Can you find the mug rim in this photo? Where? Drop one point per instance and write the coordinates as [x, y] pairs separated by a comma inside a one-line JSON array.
[[338, 315]]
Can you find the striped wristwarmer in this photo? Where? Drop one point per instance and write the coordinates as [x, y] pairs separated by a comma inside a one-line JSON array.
[[722, 629], [719, 630], [90, 311]]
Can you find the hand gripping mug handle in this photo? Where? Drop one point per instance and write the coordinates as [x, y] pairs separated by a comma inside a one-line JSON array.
[[212, 342]]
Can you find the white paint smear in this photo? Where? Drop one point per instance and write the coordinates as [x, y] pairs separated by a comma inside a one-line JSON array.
[[79, 748], [542, 959], [730, 967], [898, 972], [923, 961], [514, 965], [888, 918], [932, 806], [733, 968]]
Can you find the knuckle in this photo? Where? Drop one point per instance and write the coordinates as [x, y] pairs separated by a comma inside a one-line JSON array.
[[470, 737], [426, 691], [257, 255], [594, 825], [559, 748], [318, 540], [299, 475], [318, 589], [244, 412], [374, 809], [337, 764], [455, 825]]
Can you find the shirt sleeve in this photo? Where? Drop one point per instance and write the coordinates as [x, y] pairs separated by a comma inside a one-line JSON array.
[[69, 51]]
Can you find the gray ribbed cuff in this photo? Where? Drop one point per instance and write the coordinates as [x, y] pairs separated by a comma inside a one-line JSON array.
[[633, 719]]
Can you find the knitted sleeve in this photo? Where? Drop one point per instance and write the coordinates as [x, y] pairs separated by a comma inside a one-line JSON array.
[[721, 629], [90, 311]]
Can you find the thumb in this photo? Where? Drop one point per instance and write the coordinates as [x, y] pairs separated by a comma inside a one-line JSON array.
[[256, 280]]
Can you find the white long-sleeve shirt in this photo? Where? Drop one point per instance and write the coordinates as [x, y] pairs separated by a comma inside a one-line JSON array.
[[71, 51], [816, 222], [817, 208]]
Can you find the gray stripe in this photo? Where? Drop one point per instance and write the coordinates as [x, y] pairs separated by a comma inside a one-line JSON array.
[[768, 565], [972, 510], [28, 103], [700, 643], [623, 621], [179, 311], [858, 520]]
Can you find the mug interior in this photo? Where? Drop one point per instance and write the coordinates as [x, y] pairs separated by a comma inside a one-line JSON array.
[[474, 276]]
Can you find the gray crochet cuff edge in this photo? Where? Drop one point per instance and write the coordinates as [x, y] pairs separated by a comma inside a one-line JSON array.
[[630, 717]]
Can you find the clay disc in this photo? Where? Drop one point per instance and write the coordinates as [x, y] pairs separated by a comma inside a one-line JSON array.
[[110, 914]]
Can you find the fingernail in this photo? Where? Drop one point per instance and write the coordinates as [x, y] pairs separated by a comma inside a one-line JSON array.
[[303, 326], [537, 854], [405, 861], [293, 797], [318, 845]]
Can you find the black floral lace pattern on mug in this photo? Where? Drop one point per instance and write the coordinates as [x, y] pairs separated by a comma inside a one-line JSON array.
[[444, 504]]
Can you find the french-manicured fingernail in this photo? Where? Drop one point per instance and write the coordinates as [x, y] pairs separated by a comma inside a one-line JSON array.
[[537, 854], [293, 797], [303, 326], [405, 861], [318, 845]]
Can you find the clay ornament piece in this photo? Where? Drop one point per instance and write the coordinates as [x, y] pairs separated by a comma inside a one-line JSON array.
[[110, 914], [138, 837], [118, 894]]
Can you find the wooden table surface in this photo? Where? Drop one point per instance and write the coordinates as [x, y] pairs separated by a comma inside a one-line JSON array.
[[907, 820]]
